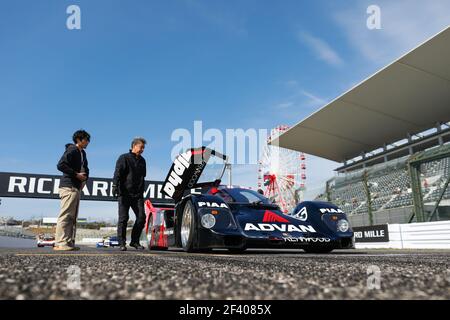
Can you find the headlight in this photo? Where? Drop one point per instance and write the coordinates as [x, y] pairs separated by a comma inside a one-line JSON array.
[[208, 221], [343, 225]]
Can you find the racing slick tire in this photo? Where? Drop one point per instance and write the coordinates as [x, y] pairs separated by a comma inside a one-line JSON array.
[[318, 249], [188, 228]]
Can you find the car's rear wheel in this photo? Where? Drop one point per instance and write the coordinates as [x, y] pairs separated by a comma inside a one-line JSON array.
[[187, 228], [318, 249]]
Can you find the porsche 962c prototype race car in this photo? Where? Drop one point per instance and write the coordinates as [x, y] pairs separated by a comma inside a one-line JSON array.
[[208, 215]]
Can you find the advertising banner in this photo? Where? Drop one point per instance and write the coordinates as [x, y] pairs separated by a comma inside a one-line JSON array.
[[25, 185]]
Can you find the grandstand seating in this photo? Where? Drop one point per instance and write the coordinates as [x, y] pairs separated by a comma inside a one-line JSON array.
[[390, 186]]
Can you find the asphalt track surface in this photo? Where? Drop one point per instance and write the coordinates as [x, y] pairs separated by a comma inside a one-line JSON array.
[[107, 273]]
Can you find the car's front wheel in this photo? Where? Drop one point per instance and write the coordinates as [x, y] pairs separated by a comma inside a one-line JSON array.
[[187, 227]]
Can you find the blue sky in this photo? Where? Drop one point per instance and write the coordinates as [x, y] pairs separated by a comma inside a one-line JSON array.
[[149, 67]]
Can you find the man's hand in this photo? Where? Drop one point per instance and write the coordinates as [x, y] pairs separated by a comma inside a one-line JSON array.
[[115, 192], [81, 176]]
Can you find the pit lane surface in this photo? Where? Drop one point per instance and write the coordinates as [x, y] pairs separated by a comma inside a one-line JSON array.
[[107, 273]]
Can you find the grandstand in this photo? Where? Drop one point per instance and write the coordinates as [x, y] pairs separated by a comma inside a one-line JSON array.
[[390, 188], [391, 133]]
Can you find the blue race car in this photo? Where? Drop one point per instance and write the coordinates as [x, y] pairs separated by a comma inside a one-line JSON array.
[[108, 242], [208, 215]]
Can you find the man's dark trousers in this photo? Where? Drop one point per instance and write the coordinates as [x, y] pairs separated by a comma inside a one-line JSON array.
[[137, 204]]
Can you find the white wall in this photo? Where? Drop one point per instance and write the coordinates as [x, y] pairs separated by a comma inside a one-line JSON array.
[[427, 235]]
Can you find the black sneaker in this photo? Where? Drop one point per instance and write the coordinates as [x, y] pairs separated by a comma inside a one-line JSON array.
[[123, 248], [137, 246]]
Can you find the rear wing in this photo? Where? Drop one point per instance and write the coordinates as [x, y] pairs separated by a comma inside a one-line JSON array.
[[187, 169]]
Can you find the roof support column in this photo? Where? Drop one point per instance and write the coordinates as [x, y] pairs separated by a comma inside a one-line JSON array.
[[328, 190], [368, 196], [363, 157], [410, 149], [414, 172], [441, 195], [439, 130]]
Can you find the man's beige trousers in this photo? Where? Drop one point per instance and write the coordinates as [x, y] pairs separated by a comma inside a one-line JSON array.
[[67, 219]]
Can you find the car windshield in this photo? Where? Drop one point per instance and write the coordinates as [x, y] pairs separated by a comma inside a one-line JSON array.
[[212, 172], [242, 196], [214, 168]]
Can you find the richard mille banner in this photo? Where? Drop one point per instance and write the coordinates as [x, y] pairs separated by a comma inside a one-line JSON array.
[[24, 185], [377, 233]]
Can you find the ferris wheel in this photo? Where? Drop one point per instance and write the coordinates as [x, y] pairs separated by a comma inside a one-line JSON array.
[[282, 173]]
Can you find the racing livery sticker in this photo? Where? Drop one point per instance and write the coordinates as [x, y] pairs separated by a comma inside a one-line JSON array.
[[330, 210], [305, 239], [212, 205], [185, 172], [270, 216], [278, 227], [302, 215]]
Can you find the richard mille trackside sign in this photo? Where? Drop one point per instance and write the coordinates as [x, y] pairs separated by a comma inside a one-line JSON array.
[[378, 233], [23, 185]]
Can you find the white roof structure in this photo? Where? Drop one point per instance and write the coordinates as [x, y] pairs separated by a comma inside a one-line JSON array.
[[410, 95]]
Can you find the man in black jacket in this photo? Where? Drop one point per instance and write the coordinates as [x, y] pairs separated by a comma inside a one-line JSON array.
[[128, 186], [74, 166]]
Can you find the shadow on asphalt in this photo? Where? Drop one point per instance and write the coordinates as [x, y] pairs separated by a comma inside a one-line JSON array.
[[260, 252], [174, 251]]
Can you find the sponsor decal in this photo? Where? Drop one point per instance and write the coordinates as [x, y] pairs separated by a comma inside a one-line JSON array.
[[270, 216], [302, 215], [304, 239], [185, 172], [331, 210], [285, 226], [181, 163], [196, 175], [212, 205], [278, 227]]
